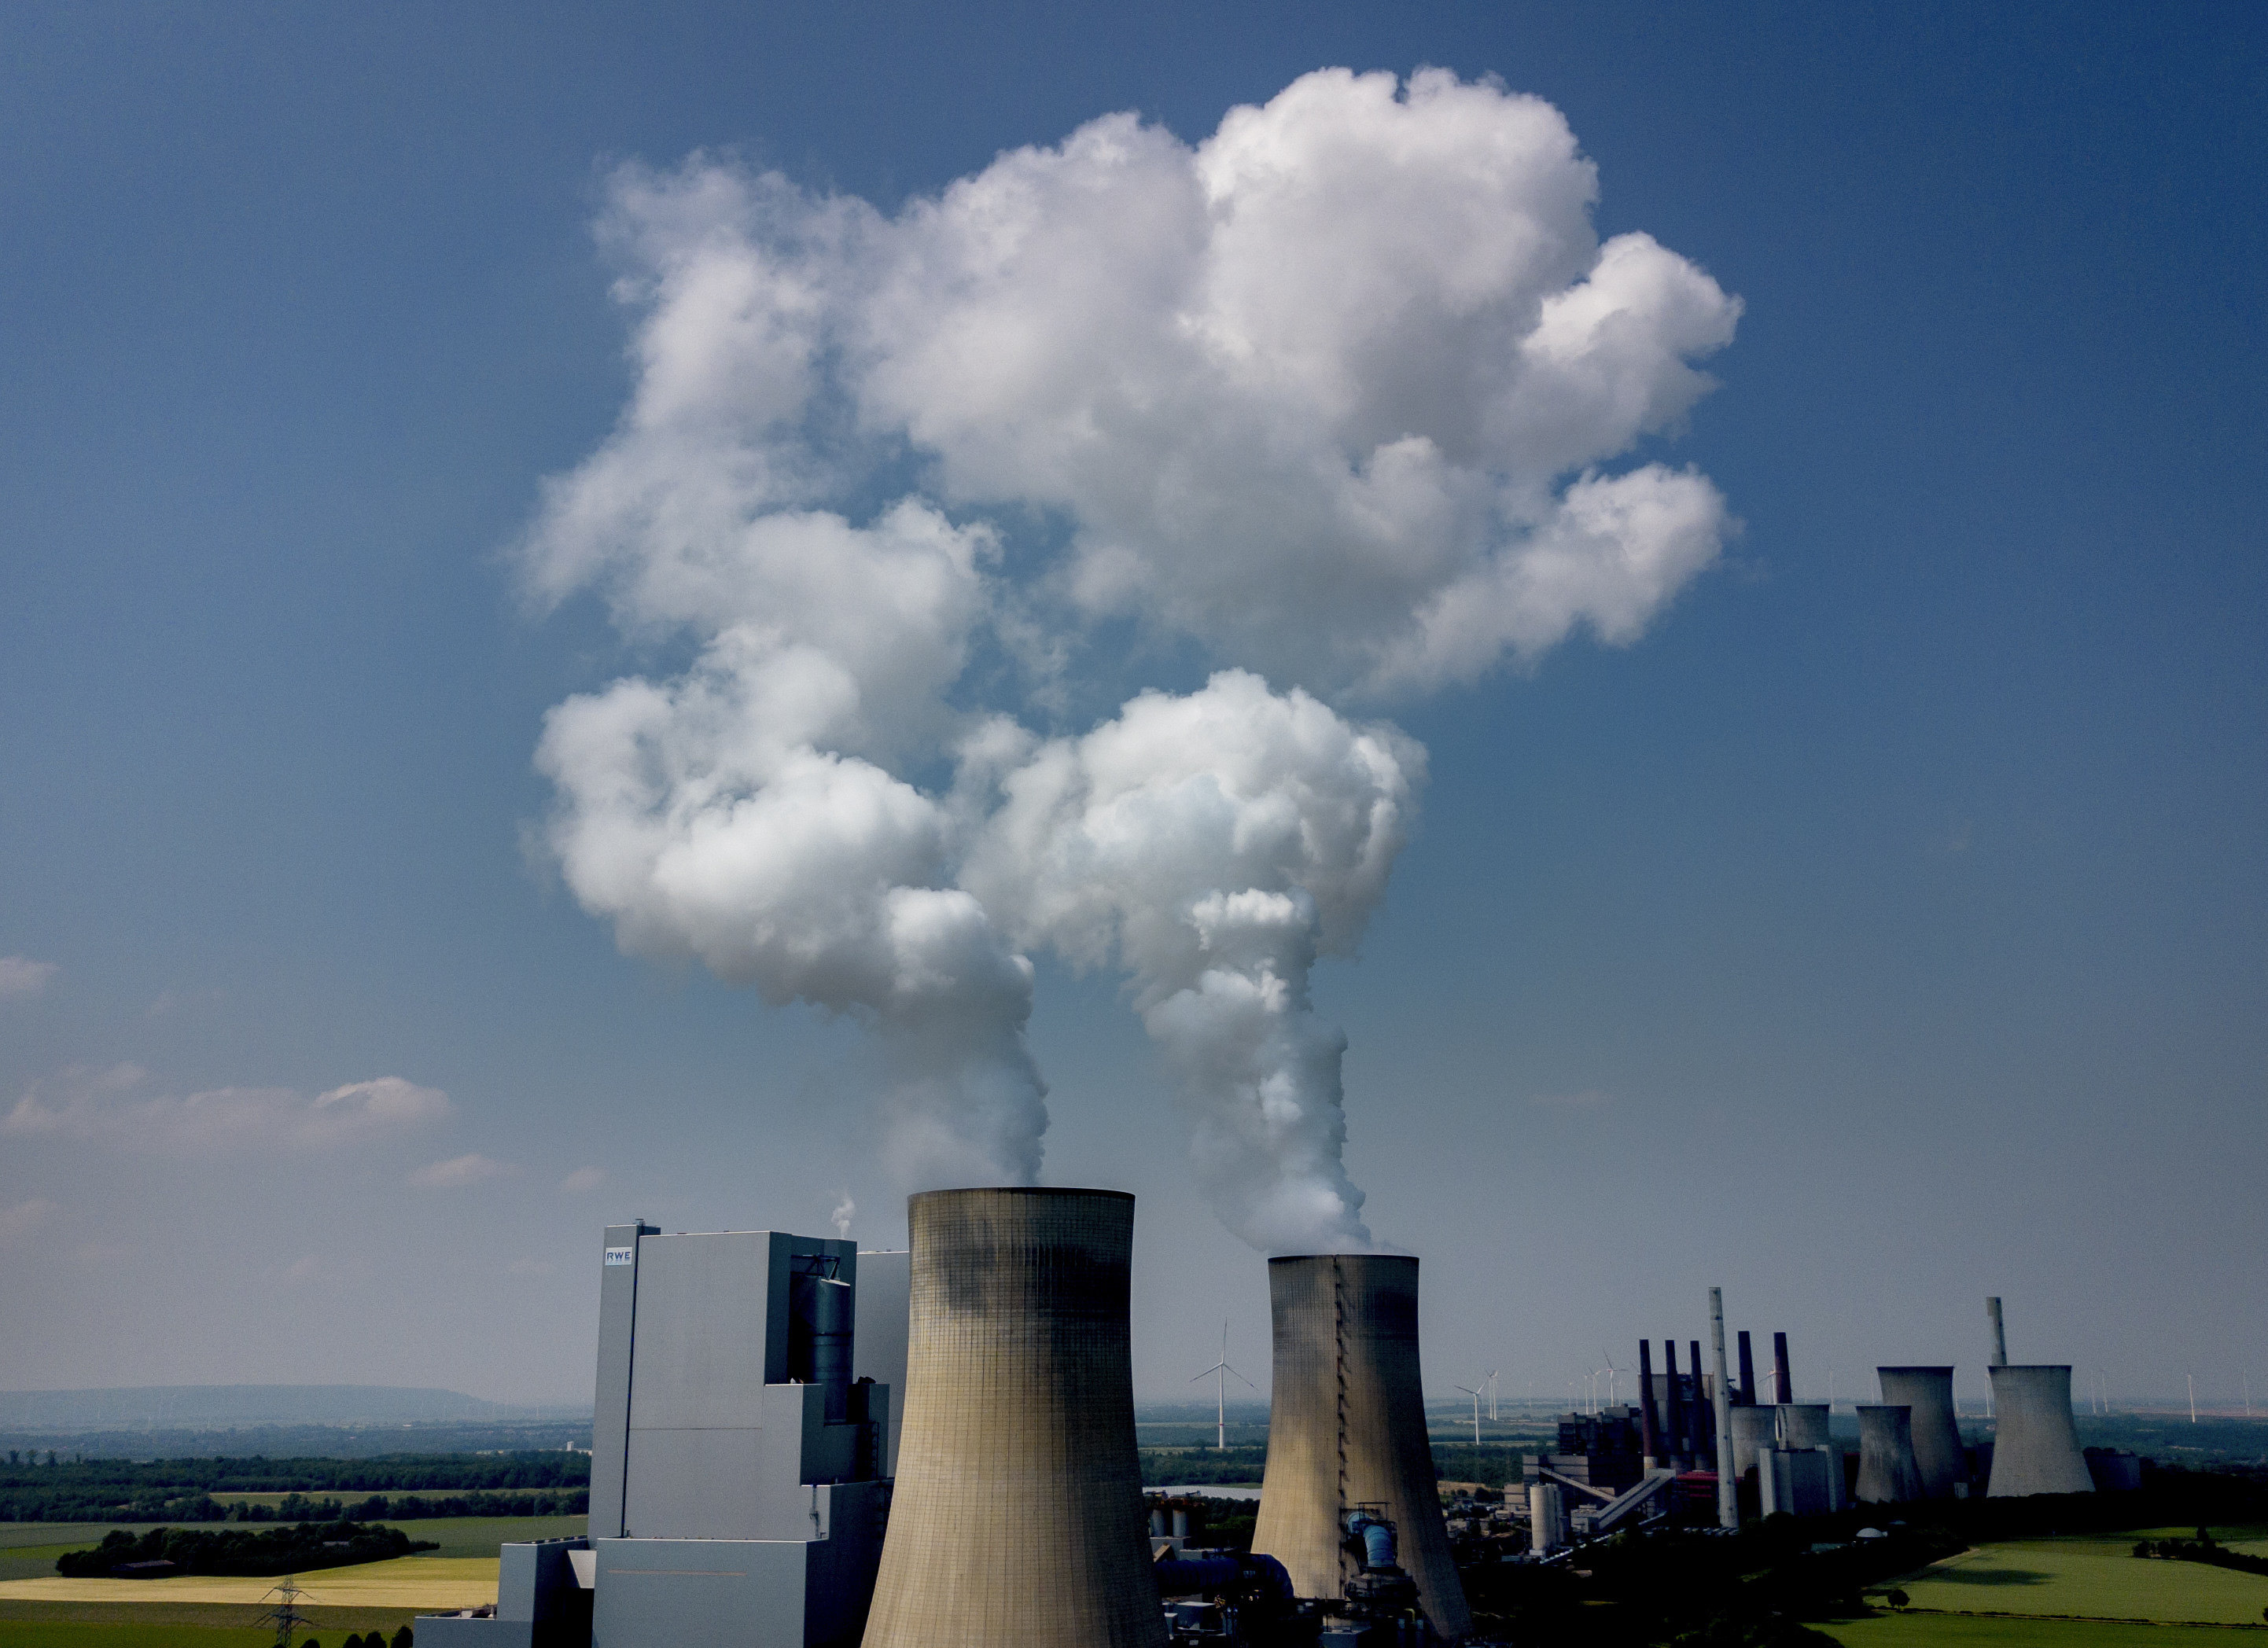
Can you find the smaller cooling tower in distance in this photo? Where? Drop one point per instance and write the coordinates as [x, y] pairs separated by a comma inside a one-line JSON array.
[[1804, 1426], [1886, 1472], [2035, 1445], [1928, 1391], [1754, 1429], [1347, 1427], [1018, 1521]]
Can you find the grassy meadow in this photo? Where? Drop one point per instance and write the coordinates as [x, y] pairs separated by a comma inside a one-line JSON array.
[[39, 1609]]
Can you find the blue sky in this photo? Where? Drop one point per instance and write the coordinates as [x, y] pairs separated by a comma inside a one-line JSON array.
[[1882, 929]]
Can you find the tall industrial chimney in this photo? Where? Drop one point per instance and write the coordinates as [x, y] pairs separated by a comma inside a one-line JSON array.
[[1681, 1434], [1887, 1473], [1747, 1395], [2000, 1331], [1783, 1381], [1347, 1427], [1728, 1503], [1649, 1431], [2035, 1444], [1018, 1518], [1928, 1391]]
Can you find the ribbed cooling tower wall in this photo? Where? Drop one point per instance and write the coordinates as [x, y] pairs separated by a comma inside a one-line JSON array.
[[1018, 1519], [1346, 1426], [1804, 1424], [1886, 1472], [2035, 1445], [1928, 1391]]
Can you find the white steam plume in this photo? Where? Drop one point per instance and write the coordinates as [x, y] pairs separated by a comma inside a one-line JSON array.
[[1327, 394], [1214, 845]]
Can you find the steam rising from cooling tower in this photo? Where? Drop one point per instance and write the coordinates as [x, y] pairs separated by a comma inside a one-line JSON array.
[[1017, 1516], [1332, 395]]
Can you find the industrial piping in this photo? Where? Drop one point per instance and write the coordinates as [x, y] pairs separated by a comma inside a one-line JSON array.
[[2035, 1444], [1348, 1427], [1886, 1472], [1018, 1518], [1928, 1391]]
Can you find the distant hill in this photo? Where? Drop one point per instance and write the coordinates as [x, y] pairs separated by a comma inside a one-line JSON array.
[[234, 1407]]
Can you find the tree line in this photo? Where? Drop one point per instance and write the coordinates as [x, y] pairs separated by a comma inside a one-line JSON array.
[[161, 1505]]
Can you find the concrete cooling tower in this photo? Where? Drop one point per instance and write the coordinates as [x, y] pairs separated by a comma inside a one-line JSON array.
[[1805, 1425], [1887, 1473], [1018, 1521], [2035, 1445], [1753, 1428], [1928, 1391], [1347, 1427]]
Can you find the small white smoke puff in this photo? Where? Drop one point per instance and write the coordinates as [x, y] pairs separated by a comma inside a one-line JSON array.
[[845, 1211], [1327, 394]]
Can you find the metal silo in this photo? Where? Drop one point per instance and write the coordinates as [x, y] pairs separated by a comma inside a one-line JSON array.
[[2035, 1445], [1928, 1391], [1887, 1473], [1347, 1427], [1018, 1521]]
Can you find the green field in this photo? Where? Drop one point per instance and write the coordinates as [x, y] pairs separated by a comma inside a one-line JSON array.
[[2025, 1593], [1950, 1631], [28, 1550]]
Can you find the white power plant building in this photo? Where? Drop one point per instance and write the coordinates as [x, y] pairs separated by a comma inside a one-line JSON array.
[[740, 1454]]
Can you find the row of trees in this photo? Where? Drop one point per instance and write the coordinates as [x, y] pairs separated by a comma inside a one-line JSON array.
[[22, 1504], [394, 1473], [281, 1551]]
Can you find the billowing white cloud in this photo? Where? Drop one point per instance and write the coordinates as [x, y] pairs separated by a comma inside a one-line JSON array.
[[1338, 393], [20, 975], [457, 1172], [583, 1179], [105, 1105]]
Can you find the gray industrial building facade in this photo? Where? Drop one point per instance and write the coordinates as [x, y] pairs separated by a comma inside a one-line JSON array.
[[742, 1450]]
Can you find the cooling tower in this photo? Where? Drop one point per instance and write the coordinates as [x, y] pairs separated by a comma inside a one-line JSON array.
[[1347, 1427], [1886, 1472], [1804, 1426], [1018, 1521], [1928, 1391], [1753, 1428], [2035, 1445]]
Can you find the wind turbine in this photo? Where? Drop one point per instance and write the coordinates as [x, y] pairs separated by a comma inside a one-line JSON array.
[[1220, 1406], [1491, 1391], [1475, 1395], [1613, 1372], [2192, 1398]]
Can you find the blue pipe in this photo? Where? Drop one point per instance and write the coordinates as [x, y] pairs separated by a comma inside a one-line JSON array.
[[1377, 1541]]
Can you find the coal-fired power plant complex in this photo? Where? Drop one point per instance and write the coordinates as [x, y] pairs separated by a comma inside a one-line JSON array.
[[800, 1444]]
